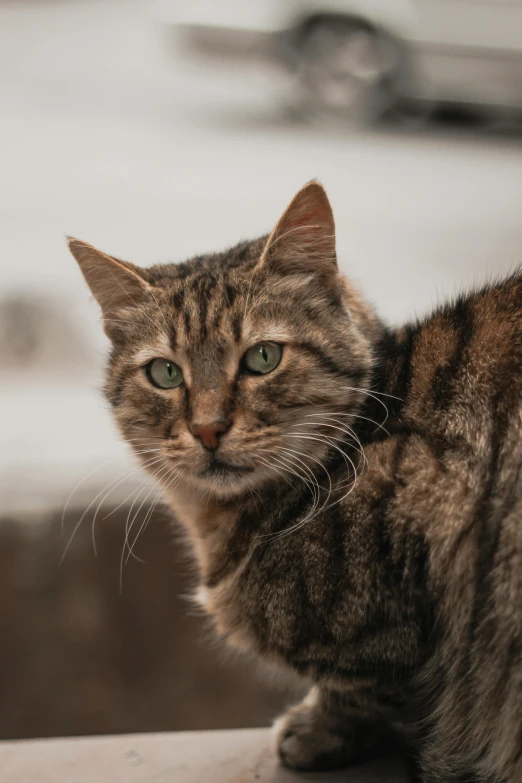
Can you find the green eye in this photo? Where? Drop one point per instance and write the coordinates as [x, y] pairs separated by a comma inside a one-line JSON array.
[[164, 374], [263, 358]]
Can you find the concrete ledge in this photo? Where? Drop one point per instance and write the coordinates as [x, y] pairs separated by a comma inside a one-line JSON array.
[[244, 756]]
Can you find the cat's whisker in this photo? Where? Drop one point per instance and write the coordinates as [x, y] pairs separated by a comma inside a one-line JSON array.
[[140, 439], [136, 494], [149, 513], [128, 527], [273, 456], [142, 442], [254, 492], [138, 426], [384, 394], [319, 440], [346, 458], [86, 477], [145, 465], [340, 500], [356, 416], [295, 453], [315, 499], [309, 482], [298, 454], [342, 428], [108, 489], [311, 514], [325, 507], [304, 467], [293, 458], [154, 504], [378, 425], [372, 395], [273, 468], [329, 442], [310, 479], [158, 475], [314, 485], [343, 425]]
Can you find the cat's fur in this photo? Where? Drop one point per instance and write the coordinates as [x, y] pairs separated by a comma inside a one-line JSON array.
[[398, 593]]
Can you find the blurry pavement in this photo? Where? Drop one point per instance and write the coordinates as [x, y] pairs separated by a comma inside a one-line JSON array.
[[106, 135]]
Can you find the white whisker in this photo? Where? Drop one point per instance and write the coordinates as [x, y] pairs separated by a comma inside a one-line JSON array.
[[91, 473], [107, 490], [373, 396]]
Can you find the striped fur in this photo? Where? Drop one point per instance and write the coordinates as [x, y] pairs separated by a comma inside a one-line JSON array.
[[398, 592]]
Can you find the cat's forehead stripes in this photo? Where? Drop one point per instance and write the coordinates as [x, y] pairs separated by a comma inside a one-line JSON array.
[[210, 306]]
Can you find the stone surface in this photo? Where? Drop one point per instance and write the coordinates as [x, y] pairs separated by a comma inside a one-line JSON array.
[[188, 757]]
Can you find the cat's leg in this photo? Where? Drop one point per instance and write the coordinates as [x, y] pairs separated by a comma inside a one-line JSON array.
[[328, 730]]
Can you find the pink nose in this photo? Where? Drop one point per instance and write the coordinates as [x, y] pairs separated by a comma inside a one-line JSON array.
[[209, 433]]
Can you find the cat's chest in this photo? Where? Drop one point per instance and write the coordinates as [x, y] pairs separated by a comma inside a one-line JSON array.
[[289, 598], [277, 612], [305, 604]]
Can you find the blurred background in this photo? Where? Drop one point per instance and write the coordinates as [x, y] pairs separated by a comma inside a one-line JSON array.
[[158, 130]]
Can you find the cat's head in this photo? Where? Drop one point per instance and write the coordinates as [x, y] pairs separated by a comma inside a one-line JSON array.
[[236, 368]]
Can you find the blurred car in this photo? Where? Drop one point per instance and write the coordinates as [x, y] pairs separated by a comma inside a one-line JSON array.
[[358, 58]]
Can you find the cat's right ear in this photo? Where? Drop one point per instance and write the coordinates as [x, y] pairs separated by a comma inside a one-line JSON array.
[[114, 284], [303, 240]]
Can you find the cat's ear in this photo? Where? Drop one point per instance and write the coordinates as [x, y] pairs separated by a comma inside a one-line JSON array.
[[114, 284], [303, 240]]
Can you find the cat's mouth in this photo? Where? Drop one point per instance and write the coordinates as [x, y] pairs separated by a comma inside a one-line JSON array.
[[218, 468]]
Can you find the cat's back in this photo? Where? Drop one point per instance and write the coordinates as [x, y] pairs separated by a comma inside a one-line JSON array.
[[459, 376], [464, 374], [463, 409], [453, 461]]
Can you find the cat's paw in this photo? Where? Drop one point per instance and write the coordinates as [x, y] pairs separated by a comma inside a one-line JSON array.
[[305, 742]]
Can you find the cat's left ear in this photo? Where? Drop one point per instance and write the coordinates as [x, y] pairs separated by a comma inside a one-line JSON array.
[[114, 284], [303, 240]]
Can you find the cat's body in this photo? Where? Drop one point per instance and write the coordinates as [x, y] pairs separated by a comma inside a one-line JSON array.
[[399, 594]]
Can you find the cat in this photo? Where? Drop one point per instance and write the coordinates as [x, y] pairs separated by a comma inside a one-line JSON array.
[[352, 492]]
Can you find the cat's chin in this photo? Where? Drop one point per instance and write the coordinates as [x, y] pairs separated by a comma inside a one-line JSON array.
[[226, 481], [225, 485], [221, 470]]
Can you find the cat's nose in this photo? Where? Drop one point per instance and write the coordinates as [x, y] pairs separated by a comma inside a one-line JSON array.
[[210, 432]]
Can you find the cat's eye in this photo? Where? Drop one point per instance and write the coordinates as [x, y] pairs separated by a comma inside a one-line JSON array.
[[164, 374], [263, 358]]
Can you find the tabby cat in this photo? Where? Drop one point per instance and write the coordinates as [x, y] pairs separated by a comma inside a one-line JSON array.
[[353, 493]]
